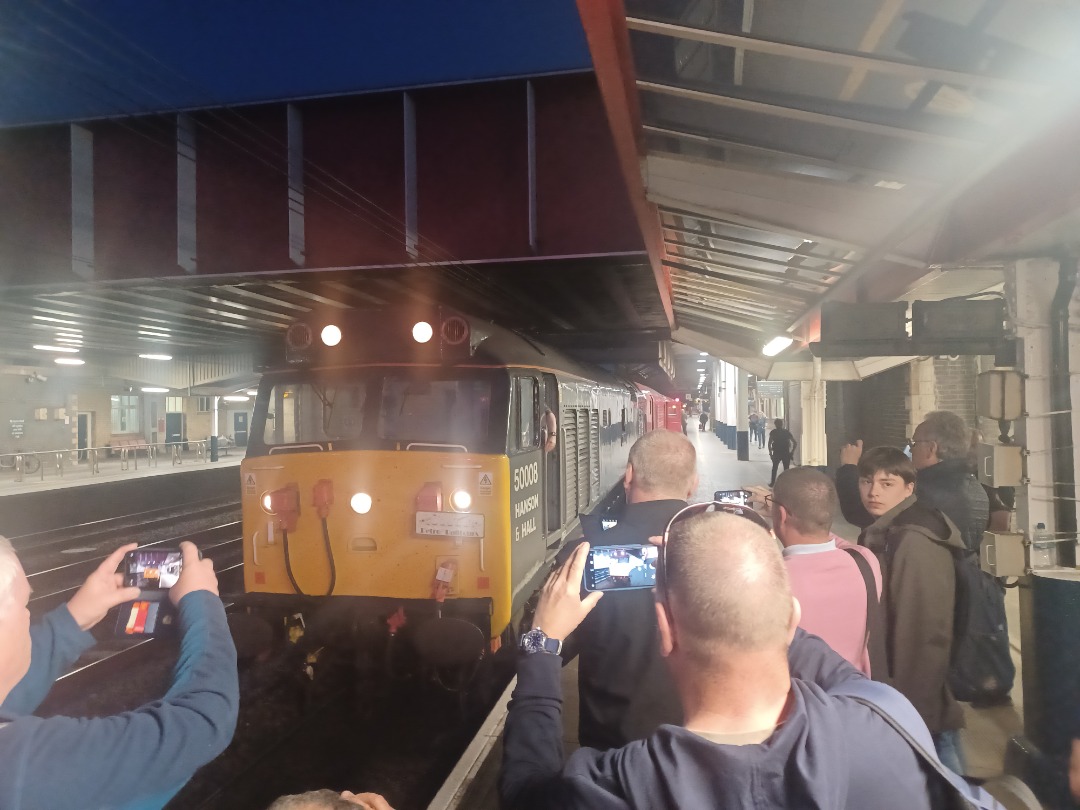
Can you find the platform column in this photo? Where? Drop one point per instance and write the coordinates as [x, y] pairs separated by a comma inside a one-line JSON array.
[[813, 447], [1047, 628], [733, 406], [742, 422]]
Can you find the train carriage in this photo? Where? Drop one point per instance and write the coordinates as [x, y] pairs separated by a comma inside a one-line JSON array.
[[421, 467]]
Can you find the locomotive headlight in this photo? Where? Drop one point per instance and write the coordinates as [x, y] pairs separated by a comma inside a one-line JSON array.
[[360, 503], [331, 335], [460, 500], [267, 504], [422, 332]]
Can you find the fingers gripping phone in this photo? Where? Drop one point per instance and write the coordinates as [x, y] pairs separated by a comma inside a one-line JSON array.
[[153, 571], [612, 568]]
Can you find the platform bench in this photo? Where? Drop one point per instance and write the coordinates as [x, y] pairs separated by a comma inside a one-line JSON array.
[[118, 443]]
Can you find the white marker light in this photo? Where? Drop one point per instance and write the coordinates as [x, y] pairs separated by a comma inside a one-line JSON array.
[[331, 335], [777, 345], [267, 503], [360, 503], [460, 500], [422, 331]]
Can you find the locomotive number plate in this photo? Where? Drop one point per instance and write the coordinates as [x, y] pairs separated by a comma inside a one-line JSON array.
[[449, 524]]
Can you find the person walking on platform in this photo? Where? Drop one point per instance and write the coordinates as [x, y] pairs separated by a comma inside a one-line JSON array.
[[770, 716], [837, 584], [781, 448], [137, 759], [915, 545], [624, 689]]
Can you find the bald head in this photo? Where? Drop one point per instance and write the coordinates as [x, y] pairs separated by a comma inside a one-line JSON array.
[[9, 574], [314, 800], [727, 587], [662, 465]]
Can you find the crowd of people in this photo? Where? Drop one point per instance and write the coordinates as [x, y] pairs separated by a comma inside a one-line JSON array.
[[791, 669]]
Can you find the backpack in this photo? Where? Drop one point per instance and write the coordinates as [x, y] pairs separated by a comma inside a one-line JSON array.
[[981, 666], [951, 790], [980, 662]]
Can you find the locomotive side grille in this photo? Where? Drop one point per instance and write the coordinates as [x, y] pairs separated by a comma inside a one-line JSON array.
[[570, 463], [594, 454], [582, 458]]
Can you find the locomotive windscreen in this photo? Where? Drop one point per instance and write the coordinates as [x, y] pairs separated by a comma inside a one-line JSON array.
[[377, 408], [435, 411]]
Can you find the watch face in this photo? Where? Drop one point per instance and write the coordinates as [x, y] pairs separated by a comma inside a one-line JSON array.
[[533, 641]]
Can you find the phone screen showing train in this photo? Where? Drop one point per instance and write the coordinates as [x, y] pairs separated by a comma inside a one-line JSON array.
[[739, 497], [611, 568], [152, 568], [153, 571]]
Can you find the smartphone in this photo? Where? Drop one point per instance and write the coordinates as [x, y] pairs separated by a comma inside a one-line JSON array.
[[153, 571], [614, 568], [739, 497]]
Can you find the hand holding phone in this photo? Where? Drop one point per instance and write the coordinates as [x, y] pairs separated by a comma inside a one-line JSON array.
[[153, 571], [738, 497], [626, 567], [103, 590]]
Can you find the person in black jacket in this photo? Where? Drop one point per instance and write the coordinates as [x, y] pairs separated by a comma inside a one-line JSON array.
[[761, 727], [781, 448], [624, 688], [939, 451]]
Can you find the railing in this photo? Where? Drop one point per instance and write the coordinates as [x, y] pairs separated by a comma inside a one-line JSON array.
[[57, 461]]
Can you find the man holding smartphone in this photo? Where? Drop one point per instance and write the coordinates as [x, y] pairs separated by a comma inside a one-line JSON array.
[[773, 717], [138, 759], [624, 688]]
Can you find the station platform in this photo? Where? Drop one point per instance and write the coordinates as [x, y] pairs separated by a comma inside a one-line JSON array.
[[49, 500], [474, 781]]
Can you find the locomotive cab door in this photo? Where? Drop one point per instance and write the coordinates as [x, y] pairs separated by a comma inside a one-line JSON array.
[[550, 461]]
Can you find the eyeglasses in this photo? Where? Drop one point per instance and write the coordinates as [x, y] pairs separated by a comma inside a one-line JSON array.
[[914, 442], [693, 510]]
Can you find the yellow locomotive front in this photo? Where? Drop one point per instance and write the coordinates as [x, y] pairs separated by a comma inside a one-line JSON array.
[[387, 483]]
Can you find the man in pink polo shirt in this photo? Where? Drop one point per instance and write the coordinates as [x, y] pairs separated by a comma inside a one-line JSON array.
[[826, 579]]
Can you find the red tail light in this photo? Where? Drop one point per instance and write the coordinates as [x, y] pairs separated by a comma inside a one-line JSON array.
[[429, 498], [285, 504]]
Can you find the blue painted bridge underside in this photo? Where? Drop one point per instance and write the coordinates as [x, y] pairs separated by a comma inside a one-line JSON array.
[[70, 60]]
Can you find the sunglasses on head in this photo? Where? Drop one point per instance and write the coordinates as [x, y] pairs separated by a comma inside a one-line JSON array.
[[693, 510]]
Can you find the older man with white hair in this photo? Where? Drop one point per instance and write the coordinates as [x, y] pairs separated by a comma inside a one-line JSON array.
[[138, 759]]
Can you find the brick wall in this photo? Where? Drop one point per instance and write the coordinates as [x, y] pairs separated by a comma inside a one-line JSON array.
[[883, 412], [955, 386]]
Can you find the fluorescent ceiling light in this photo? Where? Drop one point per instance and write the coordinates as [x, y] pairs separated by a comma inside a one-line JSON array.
[[704, 354], [252, 393], [150, 389], [54, 320], [156, 356], [69, 361], [889, 184], [55, 349], [75, 341], [235, 398], [777, 345]]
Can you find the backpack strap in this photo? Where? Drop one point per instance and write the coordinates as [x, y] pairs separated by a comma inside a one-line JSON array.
[[874, 640], [897, 711]]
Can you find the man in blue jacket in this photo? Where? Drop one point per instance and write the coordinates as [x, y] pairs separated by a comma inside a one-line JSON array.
[[138, 759], [760, 728]]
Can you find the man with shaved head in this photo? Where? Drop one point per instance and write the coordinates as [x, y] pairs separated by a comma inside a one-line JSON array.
[[762, 727], [624, 688]]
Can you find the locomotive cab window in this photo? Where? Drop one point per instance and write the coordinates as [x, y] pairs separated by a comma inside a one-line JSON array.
[[525, 409], [315, 411], [422, 410]]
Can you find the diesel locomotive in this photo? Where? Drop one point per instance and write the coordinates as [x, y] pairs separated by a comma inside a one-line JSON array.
[[426, 465]]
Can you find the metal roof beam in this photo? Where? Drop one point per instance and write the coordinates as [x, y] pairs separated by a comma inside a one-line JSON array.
[[806, 116], [720, 142], [830, 56], [735, 240], [767, 273], [775, 290]]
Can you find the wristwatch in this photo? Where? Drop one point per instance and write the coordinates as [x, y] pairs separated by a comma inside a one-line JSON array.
[[536, 641]]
